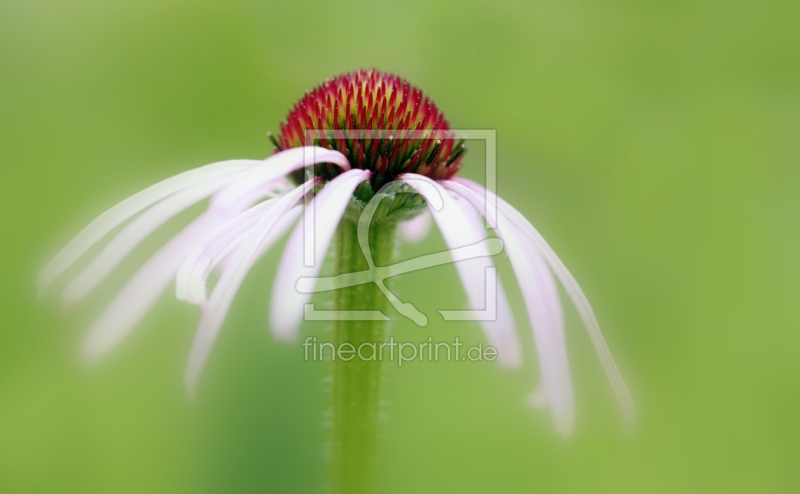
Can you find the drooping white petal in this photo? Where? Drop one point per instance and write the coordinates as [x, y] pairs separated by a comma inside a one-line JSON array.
[[133, 234], [461, 227], [502, 331], [286, 309], [216, 309], [246, 190], [191, 278], [290, 161], [221, 239], [538, 398], [417, 228], [131, 206], [260, 171], [144, 288], [142, 291], [190, 284], [576, 295], [543, 306]]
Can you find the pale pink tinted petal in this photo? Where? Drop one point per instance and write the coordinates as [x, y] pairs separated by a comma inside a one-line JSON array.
[[216, 309], [286, 311], [142, 291], [502, 332], [461, 227], [575, 293], [260, 172], [290, 161], [131, 206], [246, 190], [195, 291], [284, 224], [544, 310], [190, 283], [417, 228], [133, 234], [202, 256], [538, 398]]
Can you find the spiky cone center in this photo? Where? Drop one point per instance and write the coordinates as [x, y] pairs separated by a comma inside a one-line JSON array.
[[380, 122]]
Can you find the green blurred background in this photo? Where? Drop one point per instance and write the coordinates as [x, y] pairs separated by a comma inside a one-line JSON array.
[[655, 144]]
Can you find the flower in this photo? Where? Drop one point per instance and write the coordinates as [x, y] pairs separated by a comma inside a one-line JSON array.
[[371, 129]]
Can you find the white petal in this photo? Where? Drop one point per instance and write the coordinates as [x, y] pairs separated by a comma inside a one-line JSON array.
[[282, 164], [232, 277], [575, 293], [199, 261], [142, 291], [246, 190], [286, 310], [191, 280], [131, 206], [260, 171], [538, 398], [460, 227], [133, 234], [190, 283], [417, 228], [544, 310], [285, 223]]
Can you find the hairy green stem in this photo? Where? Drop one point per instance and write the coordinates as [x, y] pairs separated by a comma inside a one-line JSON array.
[[356, 381]]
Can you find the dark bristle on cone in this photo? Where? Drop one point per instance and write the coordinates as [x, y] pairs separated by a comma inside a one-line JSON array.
[[380, 122]]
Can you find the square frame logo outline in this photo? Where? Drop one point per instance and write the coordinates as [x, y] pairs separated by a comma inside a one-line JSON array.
[[489, 136]]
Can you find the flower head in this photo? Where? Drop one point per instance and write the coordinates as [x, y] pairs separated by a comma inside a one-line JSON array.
[[379, 122], [371, 129]]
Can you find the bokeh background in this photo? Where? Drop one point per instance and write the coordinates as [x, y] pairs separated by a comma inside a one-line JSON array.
[[655, 144]]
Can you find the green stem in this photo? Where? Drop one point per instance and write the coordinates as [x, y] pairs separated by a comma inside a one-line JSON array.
[[356, 382]]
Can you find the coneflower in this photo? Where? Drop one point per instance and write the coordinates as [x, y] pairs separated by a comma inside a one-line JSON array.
[[373, 135]]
